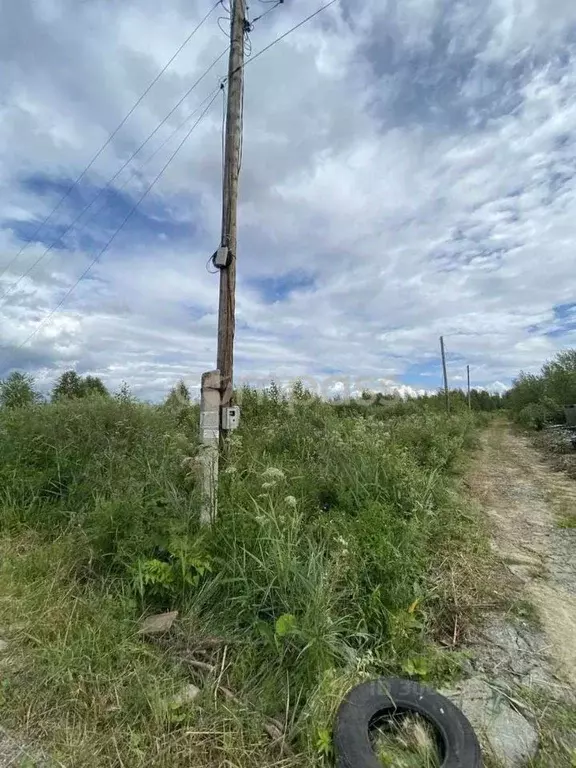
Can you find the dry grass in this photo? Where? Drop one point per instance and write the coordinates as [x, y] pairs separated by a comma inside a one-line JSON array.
[[407, 742]]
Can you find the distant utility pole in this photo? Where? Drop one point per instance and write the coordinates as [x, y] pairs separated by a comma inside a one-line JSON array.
[[232, 153], [469, 394], [446, 392]]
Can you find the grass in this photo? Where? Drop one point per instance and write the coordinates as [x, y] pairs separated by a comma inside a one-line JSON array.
[[567, 522], [407, 742], [557, 728], [341, 550]]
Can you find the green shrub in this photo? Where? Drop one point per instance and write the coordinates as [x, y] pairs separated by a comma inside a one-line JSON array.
[[116, 469], [18, 391], [534, 416], [535, 400]]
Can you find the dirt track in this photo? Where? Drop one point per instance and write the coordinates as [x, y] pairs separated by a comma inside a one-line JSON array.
[[525, 500]]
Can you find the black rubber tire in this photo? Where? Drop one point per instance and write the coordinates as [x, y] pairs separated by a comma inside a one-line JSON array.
[[366, 703]]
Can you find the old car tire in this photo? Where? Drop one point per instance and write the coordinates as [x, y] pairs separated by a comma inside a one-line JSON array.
[[367, 703]]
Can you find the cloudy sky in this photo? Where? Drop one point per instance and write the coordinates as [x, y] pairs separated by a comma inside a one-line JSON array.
[[409, 170]]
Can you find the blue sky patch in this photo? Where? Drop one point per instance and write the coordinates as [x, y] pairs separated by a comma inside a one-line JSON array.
[[108, 209], [424, 375], [273, 289], [565, 317]]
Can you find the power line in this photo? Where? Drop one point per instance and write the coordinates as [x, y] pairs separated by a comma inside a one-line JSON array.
[[224, 31], [108, 185], [273, 8], [131, 212], [289, 32], [249, 25], [110, 138], [122, 186], [224, 100], [241, 148], [121, 226], [272, 44]]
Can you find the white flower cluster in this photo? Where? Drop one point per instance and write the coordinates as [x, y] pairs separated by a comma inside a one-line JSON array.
[[271, 476], [344, 544], [273, 473]]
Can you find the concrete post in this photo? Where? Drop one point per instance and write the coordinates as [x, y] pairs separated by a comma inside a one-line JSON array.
[[209, 438]]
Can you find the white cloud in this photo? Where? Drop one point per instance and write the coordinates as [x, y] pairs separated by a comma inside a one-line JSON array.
[[424, 181]]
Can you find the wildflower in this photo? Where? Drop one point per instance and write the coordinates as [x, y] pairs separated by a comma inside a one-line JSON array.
[[235, 440], [230, 470], [268, 485], [273, 473], [291, 501], [341, 540]]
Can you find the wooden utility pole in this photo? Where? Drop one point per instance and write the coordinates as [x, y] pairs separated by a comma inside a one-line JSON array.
[[232, 153], [446, 392], [469, 394]]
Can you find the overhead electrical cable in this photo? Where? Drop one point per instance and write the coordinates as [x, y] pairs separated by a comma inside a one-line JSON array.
[[109, 139], [121, 226], [108, 185]]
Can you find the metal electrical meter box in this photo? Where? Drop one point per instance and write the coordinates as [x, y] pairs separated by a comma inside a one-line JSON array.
[[230, 418], [222, 257]]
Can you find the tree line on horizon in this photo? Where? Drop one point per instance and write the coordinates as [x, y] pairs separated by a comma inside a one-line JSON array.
[[533, 399], [19, 389]]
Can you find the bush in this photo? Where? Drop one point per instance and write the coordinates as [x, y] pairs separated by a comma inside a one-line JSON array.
[[534, 416], [113, 468], [535, 400], [18, 391]]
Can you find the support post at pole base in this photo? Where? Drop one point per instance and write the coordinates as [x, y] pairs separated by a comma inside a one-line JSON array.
[[209, 445]]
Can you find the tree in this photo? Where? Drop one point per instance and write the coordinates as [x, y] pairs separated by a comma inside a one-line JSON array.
[[18, 391], [538, 399], [93, 385], [179, 395], [526, 389], [482, 400], [560, 378], [69, 385], [72, 385], [124, 394]]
